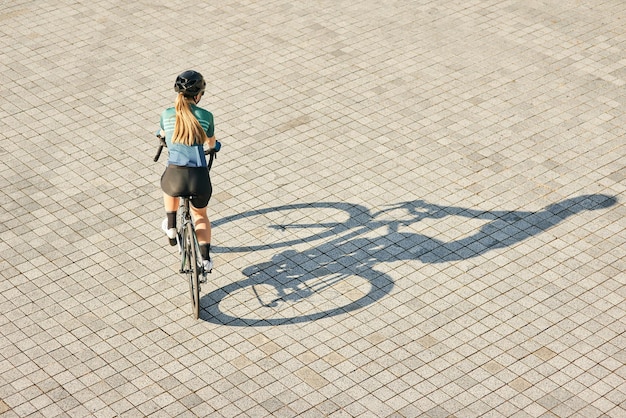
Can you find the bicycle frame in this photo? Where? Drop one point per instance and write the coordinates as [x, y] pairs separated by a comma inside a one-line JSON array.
[[185, 221], [184, 218]]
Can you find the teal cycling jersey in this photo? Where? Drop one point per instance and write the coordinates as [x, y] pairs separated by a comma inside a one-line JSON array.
[[184, 155]]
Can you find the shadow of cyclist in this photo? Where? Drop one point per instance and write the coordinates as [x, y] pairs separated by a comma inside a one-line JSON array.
[[318, 273], [503, 229]]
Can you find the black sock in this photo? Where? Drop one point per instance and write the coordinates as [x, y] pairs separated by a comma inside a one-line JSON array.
[[204, 251], [171, 219]]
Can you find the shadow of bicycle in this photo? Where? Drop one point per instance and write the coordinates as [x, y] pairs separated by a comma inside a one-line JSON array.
[[340, 275]]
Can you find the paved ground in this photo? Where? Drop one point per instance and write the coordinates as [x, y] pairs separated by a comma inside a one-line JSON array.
[[418, 209]]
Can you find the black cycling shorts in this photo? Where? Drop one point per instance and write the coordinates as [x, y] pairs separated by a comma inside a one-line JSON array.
[[188, 181]]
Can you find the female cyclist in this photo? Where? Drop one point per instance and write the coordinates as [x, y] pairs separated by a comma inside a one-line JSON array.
[[187, 128]]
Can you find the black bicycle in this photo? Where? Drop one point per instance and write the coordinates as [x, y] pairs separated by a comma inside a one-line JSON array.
[[188, 246]]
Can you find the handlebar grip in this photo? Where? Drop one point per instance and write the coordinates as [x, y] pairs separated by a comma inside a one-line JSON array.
[[214, 150], [210, 163], [162, 144], [158, 154]]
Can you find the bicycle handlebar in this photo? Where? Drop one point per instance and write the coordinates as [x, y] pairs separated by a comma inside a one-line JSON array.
[[161, 145], [211, 151]]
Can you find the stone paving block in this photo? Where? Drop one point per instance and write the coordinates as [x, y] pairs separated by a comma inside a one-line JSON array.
[[418, 210]]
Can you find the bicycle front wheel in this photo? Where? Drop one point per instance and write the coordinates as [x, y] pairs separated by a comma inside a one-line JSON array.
[[193, 260]]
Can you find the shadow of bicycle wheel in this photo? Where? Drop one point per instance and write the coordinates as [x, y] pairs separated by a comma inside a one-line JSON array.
[[288, 225], [290, 290]]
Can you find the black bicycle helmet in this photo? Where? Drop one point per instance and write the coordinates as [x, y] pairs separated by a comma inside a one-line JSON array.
[[190, 83]]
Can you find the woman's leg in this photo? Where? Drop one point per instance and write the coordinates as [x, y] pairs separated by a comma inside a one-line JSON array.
[[169, 223], [171, 206], [170, 203], [202, 223], [203, 232]]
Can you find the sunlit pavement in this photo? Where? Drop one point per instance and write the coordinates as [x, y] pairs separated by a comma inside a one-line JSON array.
[[418, 210]]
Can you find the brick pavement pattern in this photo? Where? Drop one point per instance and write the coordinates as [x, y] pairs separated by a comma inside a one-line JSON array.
[[418, 209]]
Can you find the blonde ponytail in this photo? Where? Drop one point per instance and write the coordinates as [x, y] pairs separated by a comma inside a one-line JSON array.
[[187, 129]]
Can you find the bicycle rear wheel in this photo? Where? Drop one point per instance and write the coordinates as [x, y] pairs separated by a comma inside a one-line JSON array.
[[193, 270]]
